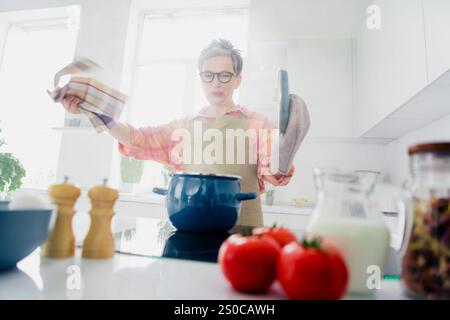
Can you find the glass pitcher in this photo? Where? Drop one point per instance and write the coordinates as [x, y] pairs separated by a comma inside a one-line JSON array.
[[426, 262], [346, 217]]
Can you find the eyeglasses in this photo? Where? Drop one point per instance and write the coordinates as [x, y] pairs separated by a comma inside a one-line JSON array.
[[223, 77]]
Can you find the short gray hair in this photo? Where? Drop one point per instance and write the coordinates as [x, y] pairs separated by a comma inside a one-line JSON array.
[[222, 47]]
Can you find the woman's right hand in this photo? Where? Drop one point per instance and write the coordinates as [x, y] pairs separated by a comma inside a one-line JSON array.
[[70, 103]]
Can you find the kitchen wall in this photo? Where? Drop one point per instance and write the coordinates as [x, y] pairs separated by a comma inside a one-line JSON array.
[[327, 153], [313, 40], [107, 34], [316, 52], [286, 34], [396, 151]]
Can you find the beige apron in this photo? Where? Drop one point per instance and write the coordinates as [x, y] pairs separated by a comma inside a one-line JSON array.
[[251, 212]]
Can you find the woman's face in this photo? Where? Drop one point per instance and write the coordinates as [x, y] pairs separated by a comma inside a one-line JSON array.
[[217, 92]]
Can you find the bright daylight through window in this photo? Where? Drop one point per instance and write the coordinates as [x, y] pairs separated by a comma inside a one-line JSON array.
[[32, 53], [165, 72]]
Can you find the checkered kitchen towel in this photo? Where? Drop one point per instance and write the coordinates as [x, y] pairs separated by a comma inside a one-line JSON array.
[[100, 103]]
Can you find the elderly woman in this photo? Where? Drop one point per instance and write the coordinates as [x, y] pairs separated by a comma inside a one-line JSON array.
[[220, 66]]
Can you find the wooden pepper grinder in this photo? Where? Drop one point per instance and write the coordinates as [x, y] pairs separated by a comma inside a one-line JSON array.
[[99, 242], [61, 241]]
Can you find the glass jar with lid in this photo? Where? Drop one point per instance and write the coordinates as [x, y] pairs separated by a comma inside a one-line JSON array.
[[425, 264]]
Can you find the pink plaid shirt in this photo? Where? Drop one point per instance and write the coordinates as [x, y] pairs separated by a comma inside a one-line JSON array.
[[155, 143]]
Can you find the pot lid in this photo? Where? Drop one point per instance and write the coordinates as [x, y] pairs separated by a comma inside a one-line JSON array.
[[217, 175]]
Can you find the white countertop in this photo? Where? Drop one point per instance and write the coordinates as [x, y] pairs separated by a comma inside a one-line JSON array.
[[134, 277], [128, 276]]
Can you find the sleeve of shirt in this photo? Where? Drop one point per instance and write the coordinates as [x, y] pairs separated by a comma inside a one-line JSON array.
[[151, 143], [264, 158]]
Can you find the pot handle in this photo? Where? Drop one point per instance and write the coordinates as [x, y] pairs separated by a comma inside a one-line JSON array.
[[246, 196], [160, 191]]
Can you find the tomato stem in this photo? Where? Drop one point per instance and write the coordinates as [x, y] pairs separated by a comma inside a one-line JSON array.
[[314, 243]]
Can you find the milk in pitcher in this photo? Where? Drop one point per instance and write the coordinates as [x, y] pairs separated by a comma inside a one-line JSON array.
[[364, 245], [344, 217]]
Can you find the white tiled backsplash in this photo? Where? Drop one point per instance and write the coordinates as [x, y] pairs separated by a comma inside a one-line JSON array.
[[390, 159], [344, 155]]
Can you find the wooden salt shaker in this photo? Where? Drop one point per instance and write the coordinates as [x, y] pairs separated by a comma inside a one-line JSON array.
[[99, 242], [61, 241]]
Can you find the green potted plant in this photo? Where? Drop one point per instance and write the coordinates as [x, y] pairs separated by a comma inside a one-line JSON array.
[[131, 171], [11, 173], [269, 194]]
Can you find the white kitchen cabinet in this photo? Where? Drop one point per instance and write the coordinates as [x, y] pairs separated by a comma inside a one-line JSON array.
[[390, 63], [320, 71], [437, 35], [427, 106], [258, 90]]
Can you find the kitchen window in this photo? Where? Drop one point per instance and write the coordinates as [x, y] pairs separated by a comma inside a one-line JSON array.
[[33, 50], [165, 82]]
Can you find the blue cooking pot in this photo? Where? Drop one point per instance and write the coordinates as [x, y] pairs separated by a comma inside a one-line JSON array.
[[204, 202]]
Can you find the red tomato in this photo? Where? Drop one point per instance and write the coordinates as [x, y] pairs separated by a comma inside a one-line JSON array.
[[339, 286], [281, 235], [312, 272], [249, 263]]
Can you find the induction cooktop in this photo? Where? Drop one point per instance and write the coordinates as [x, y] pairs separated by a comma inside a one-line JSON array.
[[157, 238]]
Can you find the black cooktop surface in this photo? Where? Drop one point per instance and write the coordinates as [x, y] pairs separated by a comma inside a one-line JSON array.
[[157, 238]]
